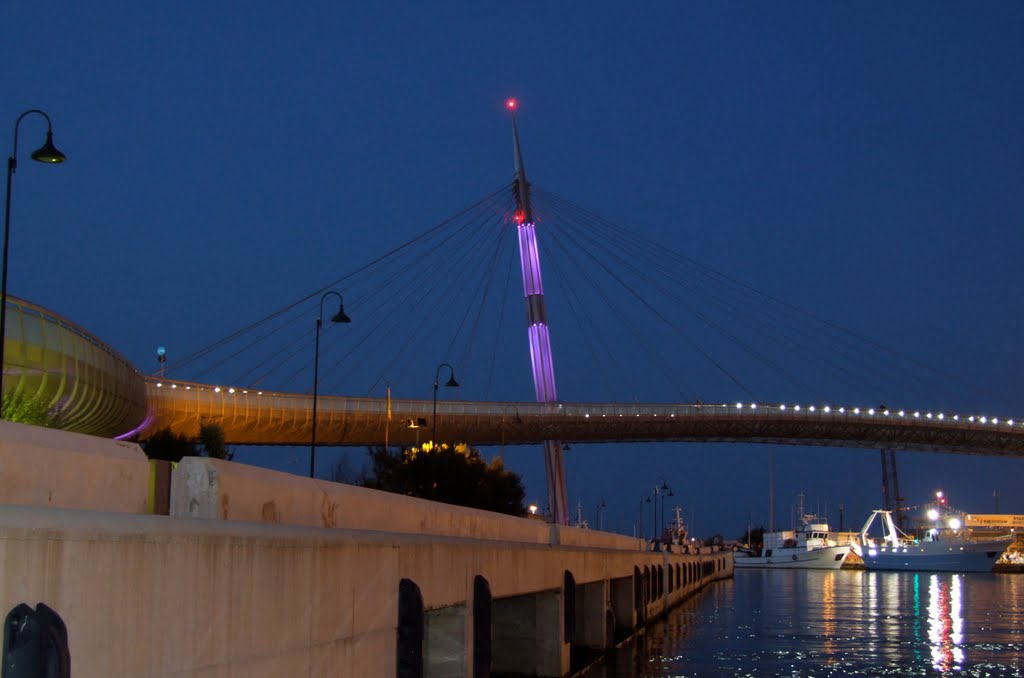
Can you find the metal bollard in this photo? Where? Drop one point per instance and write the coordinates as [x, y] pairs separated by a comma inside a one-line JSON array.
[[35, 644]]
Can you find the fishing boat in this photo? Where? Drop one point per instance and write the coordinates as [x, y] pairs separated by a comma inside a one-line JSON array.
[[808, 547], [941, 546]]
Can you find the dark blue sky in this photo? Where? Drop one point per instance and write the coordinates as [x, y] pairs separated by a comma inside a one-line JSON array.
[[865, 162]]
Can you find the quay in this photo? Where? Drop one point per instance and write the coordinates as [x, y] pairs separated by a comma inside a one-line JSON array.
[[223, 569]]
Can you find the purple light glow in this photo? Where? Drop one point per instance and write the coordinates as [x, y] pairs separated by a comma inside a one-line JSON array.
[[543, 363], [540, 339], [146, 423], [540, 351], [529, 258]]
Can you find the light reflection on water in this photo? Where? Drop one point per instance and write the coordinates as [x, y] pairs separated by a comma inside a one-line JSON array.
[[807, 623]]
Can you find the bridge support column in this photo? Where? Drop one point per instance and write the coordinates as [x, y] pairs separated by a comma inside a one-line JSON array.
[[592, 616], [528, 635], [620, 597], [444, 644]]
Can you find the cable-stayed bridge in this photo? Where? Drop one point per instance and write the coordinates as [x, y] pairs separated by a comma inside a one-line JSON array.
[[651, 344]]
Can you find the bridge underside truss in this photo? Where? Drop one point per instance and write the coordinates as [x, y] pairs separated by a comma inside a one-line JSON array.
[[265, 418], [58, 373], [90, 388]]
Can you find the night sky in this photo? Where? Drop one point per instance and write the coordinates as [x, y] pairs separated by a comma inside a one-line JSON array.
[[865, 162]]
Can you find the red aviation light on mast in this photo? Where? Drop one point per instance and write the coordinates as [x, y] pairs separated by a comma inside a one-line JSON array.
[[520, 216], [511, 104]]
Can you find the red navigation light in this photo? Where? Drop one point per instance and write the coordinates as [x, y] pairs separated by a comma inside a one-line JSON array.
[[511, 104], [520, 216]]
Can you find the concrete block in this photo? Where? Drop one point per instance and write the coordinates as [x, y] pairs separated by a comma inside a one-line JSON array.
[[527, 635], [444, 644], [591, 615], [622, 603], [46, 467]]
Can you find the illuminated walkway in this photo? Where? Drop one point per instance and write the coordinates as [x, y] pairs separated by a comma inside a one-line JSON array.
[[91, 388], [58, 367], [265, 417]]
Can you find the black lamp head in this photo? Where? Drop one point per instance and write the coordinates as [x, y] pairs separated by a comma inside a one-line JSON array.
[[340, 316], [48, 153], [451, 382]]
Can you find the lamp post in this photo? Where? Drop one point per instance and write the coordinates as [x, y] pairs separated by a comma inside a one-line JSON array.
[[669, 493], [48, 153], [640, 524], [653, 514], [450, 384], [658, 491], [601, 506], [338, 317]]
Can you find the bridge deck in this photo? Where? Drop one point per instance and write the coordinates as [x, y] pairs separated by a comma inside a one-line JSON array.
[[268, 418]]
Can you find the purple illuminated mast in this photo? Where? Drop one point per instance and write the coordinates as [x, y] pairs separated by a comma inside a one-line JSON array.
[[537, 326]]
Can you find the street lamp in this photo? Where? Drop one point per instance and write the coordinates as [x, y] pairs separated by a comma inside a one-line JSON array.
[[664, 488], [659, 490], [648, 501], [338, 317], [600, 507], [451, 384], [48, 153]]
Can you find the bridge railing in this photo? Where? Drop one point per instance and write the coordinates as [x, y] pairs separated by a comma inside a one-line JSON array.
[[299, 407]]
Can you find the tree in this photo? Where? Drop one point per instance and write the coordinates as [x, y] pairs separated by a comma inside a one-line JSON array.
[[756, 537], [169, 446], [450, 474], [22, 409], [211, 440]]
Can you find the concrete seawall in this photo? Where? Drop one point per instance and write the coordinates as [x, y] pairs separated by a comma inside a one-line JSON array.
[[259, 573], [211, 488], [46, 467]]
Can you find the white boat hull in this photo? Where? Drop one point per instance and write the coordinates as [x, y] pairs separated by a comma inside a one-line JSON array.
[[935, 556], [825, 558]]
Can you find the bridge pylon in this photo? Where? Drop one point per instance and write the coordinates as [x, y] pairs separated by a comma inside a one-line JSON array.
[[537, 324]]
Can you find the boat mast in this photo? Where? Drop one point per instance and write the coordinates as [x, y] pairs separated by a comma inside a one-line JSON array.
[[771, 490]]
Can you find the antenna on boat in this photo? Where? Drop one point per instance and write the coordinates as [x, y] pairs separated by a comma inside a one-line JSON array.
[[771, 490]]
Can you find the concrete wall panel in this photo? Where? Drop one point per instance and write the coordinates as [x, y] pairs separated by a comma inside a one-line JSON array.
[[154, 596], [211, 488], [46, 467]]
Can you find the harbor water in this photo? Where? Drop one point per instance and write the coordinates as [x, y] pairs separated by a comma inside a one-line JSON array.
[[835, 623]]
